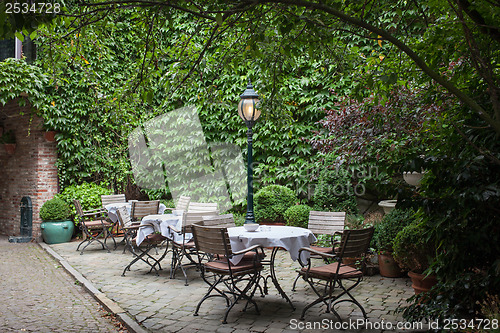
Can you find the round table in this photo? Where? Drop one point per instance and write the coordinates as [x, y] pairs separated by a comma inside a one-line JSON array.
[[275, 237]]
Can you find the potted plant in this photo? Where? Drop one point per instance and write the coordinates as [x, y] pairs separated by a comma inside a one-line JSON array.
[[385, 233], [413, 251], [49, 136], [9, 142], [56, 226]]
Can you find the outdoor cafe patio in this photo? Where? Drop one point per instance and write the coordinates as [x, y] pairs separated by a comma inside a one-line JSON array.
[[161, 304]]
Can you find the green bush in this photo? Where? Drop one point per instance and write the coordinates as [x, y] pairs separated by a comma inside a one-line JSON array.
[[8, 137], [412, 248], [334, 192], [55, 210], [391, 224], [272, 201], [297, 216], [88, 194]]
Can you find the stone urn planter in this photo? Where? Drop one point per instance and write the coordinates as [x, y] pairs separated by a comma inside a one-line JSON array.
[[387, 205], [413, 178]]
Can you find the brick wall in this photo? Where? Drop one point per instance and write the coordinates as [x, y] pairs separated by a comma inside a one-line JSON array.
[[30, 171]]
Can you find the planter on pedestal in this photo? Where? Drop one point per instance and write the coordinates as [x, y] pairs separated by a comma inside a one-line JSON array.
[[413, 178]]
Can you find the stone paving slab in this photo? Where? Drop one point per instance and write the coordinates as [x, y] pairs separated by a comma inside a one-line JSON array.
[[38, 295], [160, 304]]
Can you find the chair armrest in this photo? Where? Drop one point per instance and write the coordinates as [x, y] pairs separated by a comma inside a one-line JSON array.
[[324, 255], [171, 227]]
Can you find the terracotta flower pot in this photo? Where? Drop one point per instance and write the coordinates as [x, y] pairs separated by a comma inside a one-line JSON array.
[[422, 283], [10, 148], [271, 222], [388, 266], [50, 136]]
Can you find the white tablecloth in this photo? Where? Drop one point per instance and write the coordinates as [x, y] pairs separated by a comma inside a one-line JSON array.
[[289, 238], [161, 223], [113, 207]]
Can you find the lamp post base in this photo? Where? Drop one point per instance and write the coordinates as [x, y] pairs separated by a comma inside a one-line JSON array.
[[250, 218]]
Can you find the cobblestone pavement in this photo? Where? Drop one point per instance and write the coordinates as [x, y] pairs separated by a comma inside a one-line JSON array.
[[38, 295], [160, 304]]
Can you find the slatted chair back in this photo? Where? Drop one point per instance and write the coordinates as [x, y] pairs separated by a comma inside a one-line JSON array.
[[78, 207], [326, 223], [222, 221], [112, 198], [143, 208], [191, 218], [183, 203], [212, 240], [123, 217], [202, 207], [355, 243]]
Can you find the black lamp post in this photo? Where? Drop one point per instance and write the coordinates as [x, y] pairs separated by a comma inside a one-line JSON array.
[[247, 109]]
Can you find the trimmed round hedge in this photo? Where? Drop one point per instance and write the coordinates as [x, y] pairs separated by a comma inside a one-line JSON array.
[[272, 201], [55, 210], [298, 216]]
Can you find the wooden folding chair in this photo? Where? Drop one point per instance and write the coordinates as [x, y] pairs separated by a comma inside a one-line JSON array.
[[324, 223], [112, 198], [223, 221], [128, 228], [151, 242], [219, 273], [182, 203], [202, 207], [108, 199], [325, 279], [183, 245], [93, 226], [143, 208]]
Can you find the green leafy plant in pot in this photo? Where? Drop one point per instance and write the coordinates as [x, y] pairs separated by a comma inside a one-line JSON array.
[[414, 251], [56, 226], [9, 142], [385, 233]]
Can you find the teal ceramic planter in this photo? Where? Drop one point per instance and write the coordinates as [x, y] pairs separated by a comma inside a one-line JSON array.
[[54, 232]]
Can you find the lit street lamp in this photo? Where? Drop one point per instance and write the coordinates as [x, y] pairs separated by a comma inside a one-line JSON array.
[[247, 109]]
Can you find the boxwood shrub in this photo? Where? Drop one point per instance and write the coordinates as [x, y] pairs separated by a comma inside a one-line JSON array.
[[297, 216], [272, 201], [55, 210]]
